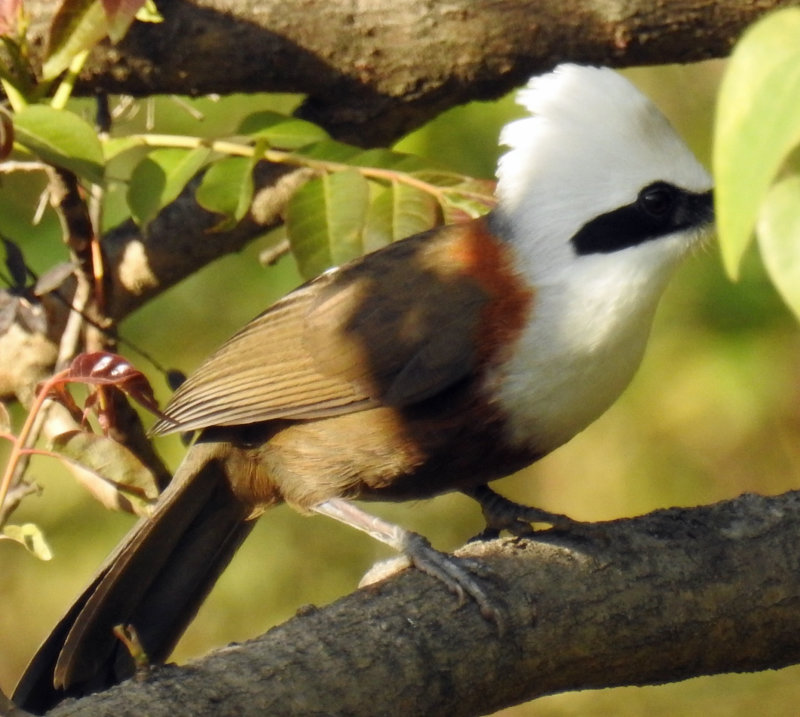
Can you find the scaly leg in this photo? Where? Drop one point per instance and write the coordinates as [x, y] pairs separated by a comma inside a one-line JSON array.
[[446, 568]]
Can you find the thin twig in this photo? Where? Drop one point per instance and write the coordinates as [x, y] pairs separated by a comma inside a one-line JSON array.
[[278, 156]]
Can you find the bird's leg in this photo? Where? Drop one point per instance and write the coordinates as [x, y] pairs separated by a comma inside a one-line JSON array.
[[504, 514], [419, 551]]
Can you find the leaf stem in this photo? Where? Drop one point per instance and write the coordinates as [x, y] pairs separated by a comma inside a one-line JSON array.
[[279, 156], [65, 87], [19, 447], [15, 98]]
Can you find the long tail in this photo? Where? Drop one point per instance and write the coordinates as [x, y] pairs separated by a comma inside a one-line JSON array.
[[155, 580]]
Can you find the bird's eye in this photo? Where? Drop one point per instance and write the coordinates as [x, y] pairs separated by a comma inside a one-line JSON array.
[[657, 199]]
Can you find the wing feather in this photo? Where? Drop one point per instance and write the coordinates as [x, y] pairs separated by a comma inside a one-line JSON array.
[[263, 372], [392, 328]]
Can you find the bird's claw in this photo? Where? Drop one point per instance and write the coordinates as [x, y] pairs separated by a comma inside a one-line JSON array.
[[456, 576], [503, 514]]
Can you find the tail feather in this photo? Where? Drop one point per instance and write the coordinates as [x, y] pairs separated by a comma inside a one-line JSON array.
[[156, 581]]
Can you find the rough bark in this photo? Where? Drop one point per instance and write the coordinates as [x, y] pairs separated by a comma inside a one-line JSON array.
[[670, 595], [374, 70], [655, 599], [382, 67]]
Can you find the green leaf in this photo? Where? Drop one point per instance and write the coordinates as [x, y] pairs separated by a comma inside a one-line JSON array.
[[78, 25], [110, 462], [380, 158], [477, 199], [329, 150], [29, 535], [325, 220], [116, 146], [779, 239], [757, 126], [160, 177], [61, 138], [281, 131], [227, 188], [398, 212], [149, 13]]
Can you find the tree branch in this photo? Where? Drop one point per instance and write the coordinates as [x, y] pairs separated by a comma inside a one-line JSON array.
[[663, 597], [657, 598], [179, 241], [378, 72]]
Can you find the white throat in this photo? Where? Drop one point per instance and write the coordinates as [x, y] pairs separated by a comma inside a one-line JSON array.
[[585, 163], [586, 339]]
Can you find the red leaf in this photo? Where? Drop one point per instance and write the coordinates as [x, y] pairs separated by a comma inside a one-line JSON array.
[[103, 368]]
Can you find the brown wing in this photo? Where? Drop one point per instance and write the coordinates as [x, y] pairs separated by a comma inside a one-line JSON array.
[[394, 327]]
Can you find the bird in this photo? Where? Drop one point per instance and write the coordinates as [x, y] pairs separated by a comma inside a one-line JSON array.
[[438, 363]]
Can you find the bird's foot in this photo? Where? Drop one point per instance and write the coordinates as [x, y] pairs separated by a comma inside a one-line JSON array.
[[460, 575], [503, 514]]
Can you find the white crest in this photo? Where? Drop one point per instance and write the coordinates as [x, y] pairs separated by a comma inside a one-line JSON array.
[[592, 143]]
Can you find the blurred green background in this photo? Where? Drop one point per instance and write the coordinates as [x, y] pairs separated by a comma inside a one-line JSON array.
[[712, 413]]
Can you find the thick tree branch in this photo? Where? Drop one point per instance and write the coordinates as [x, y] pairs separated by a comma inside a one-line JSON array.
[[375, 72], [670, 595], [371, 74], [180, 240], [654, 599]]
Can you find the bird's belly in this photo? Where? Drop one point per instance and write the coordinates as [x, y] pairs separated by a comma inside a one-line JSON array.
[[389, 454]]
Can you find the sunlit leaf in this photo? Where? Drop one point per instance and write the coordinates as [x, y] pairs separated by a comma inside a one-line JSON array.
[[149, 12], [397, 212], [61, 138], [227, 188], [471, 199], [281, 131], [29, 535], [160, 177], [757, 125], [779, 239], [77, 25], [325, 220], [108, 461]]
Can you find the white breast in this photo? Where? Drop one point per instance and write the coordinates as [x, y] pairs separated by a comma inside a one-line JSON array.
[[586, 339]]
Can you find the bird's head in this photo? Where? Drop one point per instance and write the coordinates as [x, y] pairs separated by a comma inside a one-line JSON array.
[[595, 174]]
